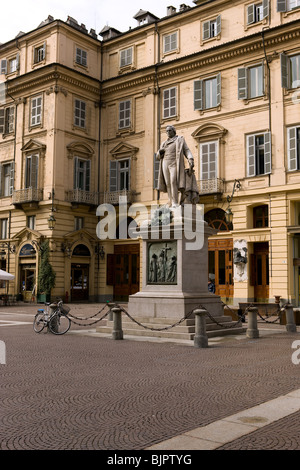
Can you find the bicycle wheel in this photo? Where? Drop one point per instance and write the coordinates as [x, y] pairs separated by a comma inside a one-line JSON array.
[[39, 322], [59, 323]]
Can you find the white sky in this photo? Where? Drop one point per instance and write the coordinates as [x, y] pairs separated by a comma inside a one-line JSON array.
[[26, 15]]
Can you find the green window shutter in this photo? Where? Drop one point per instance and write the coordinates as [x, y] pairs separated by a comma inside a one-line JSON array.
[[265, 8], [34, 171], [87, 175], [284, 63], [242, 83], [218, 21], [113, 175], [218, 89], [75, 172], [206, 30], [292, 148], [251, 14], [268, 152], [251, 171], [281, 5], [198, 101], [4, 66]]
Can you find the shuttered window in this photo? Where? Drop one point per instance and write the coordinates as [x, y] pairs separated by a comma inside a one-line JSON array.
[[36, 111], [257, 12], [6, 179], [287, 5], [250, 82], [81, 57], [7, 120], [155, 171], [126, 57], [39, 53], [170, 42], [293, 148], [290, 71], [119, 175], [82, 174], [259, 153], [209, 160], [169, 103], [124, 114], [80, 113], [211, 28], [31, 171], [207, 93]]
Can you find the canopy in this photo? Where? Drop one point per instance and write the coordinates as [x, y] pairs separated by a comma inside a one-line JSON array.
[[4, 276]]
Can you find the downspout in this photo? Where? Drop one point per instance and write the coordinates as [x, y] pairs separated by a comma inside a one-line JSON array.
[[99, 155], [157, 91]]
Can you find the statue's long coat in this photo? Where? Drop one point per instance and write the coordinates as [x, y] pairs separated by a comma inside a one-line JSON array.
[[182, 151]]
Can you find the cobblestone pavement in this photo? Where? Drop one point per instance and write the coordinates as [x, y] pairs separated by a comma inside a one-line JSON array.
[[83, 392]]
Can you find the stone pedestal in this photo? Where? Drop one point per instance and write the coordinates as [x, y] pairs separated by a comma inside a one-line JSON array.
[[172, 291]]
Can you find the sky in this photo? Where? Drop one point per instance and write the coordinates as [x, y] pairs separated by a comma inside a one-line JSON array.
[[20, 15]]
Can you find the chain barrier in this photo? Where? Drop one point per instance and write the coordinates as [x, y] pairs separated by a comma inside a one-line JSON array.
[[73, 317], [279, 312]]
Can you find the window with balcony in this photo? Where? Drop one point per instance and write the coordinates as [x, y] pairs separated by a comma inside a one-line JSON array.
[[257, 12], [31, 171], [82, 174], [207, 93], [119, 175], [170, 42], [250, 82], [36, 111], [290, 71], [293, 148], [170, 103], [287, 5], [259, 154], [211, 28], [80, 113]]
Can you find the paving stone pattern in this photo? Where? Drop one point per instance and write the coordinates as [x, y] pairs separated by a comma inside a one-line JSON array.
[[76, 392]]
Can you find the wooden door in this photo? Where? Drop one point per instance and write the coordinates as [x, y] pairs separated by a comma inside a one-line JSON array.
[[123, 271], [79, 282], [220, 267], [260, 271]]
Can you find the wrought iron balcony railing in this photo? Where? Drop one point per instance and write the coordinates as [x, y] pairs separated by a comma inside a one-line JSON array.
[[211, 186], [112, 197], [82, 197], [23, 196]]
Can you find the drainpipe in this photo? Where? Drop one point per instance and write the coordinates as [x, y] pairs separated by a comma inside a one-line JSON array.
[[158, 95]]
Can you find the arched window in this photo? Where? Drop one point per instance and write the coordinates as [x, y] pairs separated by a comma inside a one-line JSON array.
[[216, 219]]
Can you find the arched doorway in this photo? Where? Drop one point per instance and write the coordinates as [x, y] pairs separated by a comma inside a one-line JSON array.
[[27, 266], [80, 273], [220, 254]]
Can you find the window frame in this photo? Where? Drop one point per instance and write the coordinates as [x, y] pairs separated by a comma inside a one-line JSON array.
[[36, 118], [253, 150], [209, 143], [264, 217], [84, 171], [174, 48], [31, 173], [115, 175], [251, 12], [200, 95], [286, 71], [3, 228], [7, 120], [80, 114], [7, 190], [125, 115], [39, 54], [170, 107], [211, 28], [245, 82], [284, 7], [293, 148], [31, 221], [127, 58], [79, 57]]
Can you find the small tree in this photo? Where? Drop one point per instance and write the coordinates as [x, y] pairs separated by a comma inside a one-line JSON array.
[[46, 277]]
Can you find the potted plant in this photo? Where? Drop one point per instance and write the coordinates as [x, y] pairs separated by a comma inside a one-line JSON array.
[[46, 276]]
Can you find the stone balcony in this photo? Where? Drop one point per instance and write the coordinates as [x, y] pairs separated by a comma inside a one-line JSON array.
[[112, 197], [211, 186], [27, 195]]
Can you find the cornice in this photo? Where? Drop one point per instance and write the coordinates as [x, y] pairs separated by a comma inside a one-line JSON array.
[[242, 47]]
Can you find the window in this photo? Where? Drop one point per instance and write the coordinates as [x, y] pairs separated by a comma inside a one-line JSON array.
[[6, 179], [259, 154], [293, 138], [209, 160], [80, 113], [119, 175], [124, 114], [126, 57], [82, 173], [31, 171], [250, 82], [260, 216], [257, 12], [170, 42], [207, 93], [3, 228], [211, 28], [10, 65], [290, 71], [39, 53], [7, 119], [287, 5], [31, 222], [36, 111], [169, 103], [81, 57], [78, 223]]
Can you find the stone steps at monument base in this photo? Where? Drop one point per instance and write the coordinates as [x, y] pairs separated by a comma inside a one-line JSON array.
[[186, 329]]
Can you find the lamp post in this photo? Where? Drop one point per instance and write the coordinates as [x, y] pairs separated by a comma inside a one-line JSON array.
[[51, 219], [228, 212]]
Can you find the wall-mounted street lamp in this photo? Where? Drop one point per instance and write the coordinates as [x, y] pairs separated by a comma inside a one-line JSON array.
[[228, 212], [99, 250], [51, 219]]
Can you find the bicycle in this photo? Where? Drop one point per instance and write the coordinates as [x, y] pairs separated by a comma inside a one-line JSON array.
[[56, 321]]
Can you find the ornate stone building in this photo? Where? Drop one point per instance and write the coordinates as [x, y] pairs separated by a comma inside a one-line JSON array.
[[83, 118]]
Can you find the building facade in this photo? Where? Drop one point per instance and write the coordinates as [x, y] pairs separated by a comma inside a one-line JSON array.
[[82, 120]]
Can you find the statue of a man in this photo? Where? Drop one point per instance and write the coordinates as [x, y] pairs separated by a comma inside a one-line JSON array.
[[172, 176]]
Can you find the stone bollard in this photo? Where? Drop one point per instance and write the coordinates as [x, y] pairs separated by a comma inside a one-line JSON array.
[[252, 331], [52, 308], [200, 339], [117, 328], [290, 319]]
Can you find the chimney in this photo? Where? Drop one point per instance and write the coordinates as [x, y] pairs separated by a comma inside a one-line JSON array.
[[171, 11]]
